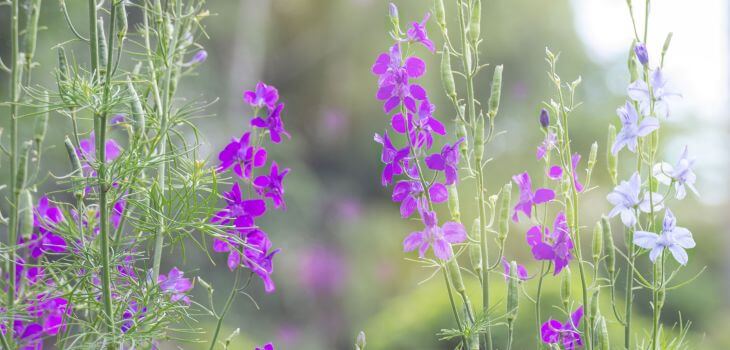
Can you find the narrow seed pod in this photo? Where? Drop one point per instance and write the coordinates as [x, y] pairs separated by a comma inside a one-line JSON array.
[[475, 256], [513, 293], [76, 169], [205, 284], [565, 287], [467, 55], [26, 214], [454, 203], [101, 38], [21, 176], [138, 114], [479, 140], [453, 267], [595, 310], [611, 159], [122, 23], [31, 31], [597, 242], [496, 93], [592, 156], [447, 75], [41, 122], [610, 248], [62, 65], [661, 295], [633, 67], [440, 12], [603, 335], [475, 22], [667, 41], [360, 341], [504, 207], [461, 134]]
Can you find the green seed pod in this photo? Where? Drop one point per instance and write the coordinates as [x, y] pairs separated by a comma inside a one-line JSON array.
[[31, 31], [603, 335], [26, 214], [447, 75], [661, 296], [565, 287], [101, 39], [360, 341], [21, 176], [595, 310], [597, 242], [62, 65], [667, 41], [496, 93], [205, 284], [513, 293], [454, 203], [504, 207], [453, 267], [475, 256], [633, 67], [41, 122], [475, 22], [479, 140], [122, 23], [467, 55], [138, 114], [611, 159], [610, 248], [461, 134], [440, 10], [592, 156]]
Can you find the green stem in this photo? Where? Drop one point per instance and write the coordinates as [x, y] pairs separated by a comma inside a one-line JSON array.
[[226, 308], [453, 308], [537, 304], [629, 289]]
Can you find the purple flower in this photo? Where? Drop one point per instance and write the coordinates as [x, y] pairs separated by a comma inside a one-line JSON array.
[[556, 172], [394, 73], [199, 57], [239, 211], [410, 194], [420, 130], [45, 218], [554, 332], [673, 237], [263, 95], [50, 311], [631, 129], [243, 157], [131, 315], [544, 118], [521, 271], [175, 285], [88, 153], [641, 54], [271, 185], [417, 33], [555, 247], [118, 212], [440, 238], [117, 119], [267, 346], [446, 161], [273, 123], [259, 257], [681, 174], [547, 145], [26, 334], [625, 198], [529, 198], [391, 157], [661, 93]]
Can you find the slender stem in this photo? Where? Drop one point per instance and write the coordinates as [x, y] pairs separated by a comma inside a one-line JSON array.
[[629, 289], [14, 96], [226, 308], [453, 308], [537, 304]]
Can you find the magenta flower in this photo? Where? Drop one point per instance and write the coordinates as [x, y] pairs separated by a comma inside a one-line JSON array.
[[239, 211], [393, 81], [243, 157], [440, 238], [259, 257], [556, 172], [521, 270], [45, 218], [50, 311], [273, 123], [446, 161], [555, 332], [27, 335], [417, 33], [263, 95], [421, 129], [271, 185], [175, 285], [87, 153], [528, 198], [555, 247], [268, 346], [411, 196], [391, 157]]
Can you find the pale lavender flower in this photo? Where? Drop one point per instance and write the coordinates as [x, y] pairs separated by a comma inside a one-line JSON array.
[[626, 199], [417, 33], [175, 285], [631, 129], [550, 141], [555, 332], [673, 237], [440, 238], [681, 174], [661, 92], [199, 57], [641, 54]]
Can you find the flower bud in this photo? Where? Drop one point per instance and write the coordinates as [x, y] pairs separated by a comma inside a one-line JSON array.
[[475, 22], [440, 10], [199, 57], [667, 41], [597, 242], [76, 169], [611, 159], [513, 293], [592, 156], [641, 54], [633, 69], [41, 122], [393, 14], [496, 91], [447, 76], [595, 306], [610, 248], [26, 214], [661, 296], [544, 118], [504, 207], [565, 288], [461, 134], [360, 341]]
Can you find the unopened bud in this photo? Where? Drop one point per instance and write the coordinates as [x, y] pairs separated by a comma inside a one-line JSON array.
[[26, 214], [360, 341], [544, 118], [393, 14], [641, 54]]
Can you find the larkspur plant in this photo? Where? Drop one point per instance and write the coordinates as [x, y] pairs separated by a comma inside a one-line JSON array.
[[86, 273], [415, 168]]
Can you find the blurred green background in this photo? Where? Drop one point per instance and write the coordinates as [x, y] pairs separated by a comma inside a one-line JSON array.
[[342, 269]]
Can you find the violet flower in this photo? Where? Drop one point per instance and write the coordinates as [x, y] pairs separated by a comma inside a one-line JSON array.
[[422, 128], [550, 141], [260, 258], [391, 157], [51, 312], [521, 270], [271, 185], [267, 346], [417, 33], [132, 315], [625, 198], [243, 157], [641, 54], [175, 285], [544, 118], [631, 129], [446, 161], [27, 335], [529, 198], [673, 237], [239, 211], [681, 174], [555, 332], [87, 153], [263, 95], [394, 73], [556, 172], [199, 57], [661, 93], [45, 217], [273, 123], [440, 238], [411, 196], [555, 247]]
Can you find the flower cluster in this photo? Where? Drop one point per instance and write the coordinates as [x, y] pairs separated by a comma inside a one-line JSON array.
[[246, 244], [406, 166]]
